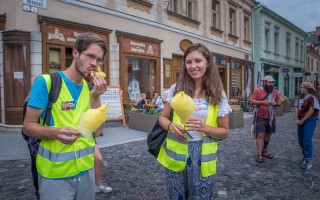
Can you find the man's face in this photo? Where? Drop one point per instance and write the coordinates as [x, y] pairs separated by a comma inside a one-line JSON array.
[[88, 60], [269, 85], [156, 95]]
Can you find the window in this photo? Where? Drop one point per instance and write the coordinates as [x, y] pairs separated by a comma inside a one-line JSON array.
[[215, 14], [301, 53], [246, 28], [189, 8], [167, 73], [297, 50], [288, 46], [142, 77], [232, 22], [276, 42], [311, 64], [174, 6], [266, 38], [308, 67]]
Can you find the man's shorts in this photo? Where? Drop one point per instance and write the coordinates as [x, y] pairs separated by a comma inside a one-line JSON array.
[[263, 126]]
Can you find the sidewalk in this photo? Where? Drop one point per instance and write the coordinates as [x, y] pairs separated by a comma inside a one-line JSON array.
[[14, 147]]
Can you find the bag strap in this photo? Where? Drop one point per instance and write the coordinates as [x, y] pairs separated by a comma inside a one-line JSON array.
[[56, 82]]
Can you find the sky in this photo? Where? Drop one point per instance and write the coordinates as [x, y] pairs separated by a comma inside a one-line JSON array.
[[305, 14]]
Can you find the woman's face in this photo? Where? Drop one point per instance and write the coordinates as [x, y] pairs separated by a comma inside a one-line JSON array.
[[303, 90], [196, 65]]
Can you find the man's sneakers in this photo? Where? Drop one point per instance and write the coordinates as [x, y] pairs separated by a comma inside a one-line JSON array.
[[305, 163], [103, 188]]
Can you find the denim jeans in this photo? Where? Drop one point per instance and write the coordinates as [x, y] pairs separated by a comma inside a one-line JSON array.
[[305, 134]]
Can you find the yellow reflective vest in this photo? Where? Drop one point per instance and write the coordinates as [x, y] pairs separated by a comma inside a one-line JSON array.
[[174, 152], [56, 159]]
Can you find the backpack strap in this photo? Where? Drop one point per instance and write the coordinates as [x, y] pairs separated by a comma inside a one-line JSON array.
[[56, 82]]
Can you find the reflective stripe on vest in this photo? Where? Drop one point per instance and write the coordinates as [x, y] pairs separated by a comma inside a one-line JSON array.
[[56, 159], [60, 157], [174, 152]]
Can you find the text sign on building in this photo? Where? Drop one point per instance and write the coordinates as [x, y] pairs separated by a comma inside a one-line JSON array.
[[36, 3], [134, 46]]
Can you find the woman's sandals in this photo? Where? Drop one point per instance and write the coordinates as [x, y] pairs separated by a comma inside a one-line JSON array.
[[267, 154], [259, 158]]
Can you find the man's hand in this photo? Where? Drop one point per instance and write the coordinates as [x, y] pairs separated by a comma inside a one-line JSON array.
[[68, 135], [100, 86]]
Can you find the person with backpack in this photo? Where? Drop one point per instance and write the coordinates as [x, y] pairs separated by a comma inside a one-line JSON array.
[[65, 159], [266, 98]]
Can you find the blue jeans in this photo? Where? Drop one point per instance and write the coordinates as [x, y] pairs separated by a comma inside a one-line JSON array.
[[305, 134], [157, 110]]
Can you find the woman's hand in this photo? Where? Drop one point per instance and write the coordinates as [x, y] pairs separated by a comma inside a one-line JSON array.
[[299, 122], [196, 124], [176, 130]]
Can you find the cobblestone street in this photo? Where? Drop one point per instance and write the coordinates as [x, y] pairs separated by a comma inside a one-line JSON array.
[[135, 174]]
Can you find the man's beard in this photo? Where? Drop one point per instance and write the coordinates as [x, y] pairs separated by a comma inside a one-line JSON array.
[[77, 65], [268, 88]]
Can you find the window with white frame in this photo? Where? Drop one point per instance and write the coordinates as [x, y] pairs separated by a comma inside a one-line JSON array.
[[266, 38], [174, 6], [189, 8], [288, 44], [276, 42], [232, 21], [215, 14], [297, 50], [301, 52], [246, 28]]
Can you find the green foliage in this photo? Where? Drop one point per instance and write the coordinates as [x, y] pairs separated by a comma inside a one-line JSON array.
[[152, 111]]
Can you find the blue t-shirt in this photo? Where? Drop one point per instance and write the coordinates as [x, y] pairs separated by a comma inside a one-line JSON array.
[[39, 93], [39, 99]]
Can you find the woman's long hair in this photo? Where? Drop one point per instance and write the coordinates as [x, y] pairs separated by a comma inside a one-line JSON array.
[[311, 89], [212, 86]]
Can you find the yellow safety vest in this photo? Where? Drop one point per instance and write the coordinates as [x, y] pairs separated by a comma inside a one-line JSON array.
[[56, 159], [174, 152]]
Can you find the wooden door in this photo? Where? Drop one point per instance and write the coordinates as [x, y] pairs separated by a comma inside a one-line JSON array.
[[16, 74]]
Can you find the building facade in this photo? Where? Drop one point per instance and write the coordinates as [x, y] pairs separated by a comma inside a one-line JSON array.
[[279, 50], [313, 57], [146, 40]]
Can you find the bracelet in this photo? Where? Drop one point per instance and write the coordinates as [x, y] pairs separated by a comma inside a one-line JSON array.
[[169, 125]]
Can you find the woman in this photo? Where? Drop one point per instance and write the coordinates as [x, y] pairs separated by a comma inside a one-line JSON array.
[[141, 101], [191, 164], [307, 113]]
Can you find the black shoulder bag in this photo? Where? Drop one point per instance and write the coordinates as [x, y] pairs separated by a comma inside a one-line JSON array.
[[157, 137]]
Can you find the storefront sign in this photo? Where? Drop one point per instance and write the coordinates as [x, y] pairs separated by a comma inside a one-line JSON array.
[[220, 61], [236, 64], [36, 3], [63, 35], [133, 46], [285, 70], [297, 74]]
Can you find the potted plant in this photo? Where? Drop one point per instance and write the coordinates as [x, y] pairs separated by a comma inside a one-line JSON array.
[[151, 119], [137, 119], [235, 117], [286, 105]]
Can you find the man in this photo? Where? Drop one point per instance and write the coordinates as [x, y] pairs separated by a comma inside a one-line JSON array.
[[158, 102], [266, 98], [65, 160]]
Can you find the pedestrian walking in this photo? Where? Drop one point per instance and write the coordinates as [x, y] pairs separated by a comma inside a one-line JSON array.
[[307, 112], [191, 165], [266, 98], [65, 160]]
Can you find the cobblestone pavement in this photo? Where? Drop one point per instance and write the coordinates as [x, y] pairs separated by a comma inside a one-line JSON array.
[[134, 174]]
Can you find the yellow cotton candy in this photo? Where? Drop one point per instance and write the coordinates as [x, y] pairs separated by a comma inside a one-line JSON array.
[[91, 120], [183, 106]]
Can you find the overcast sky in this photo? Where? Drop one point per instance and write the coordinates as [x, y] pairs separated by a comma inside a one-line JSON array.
[[305, 14]]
